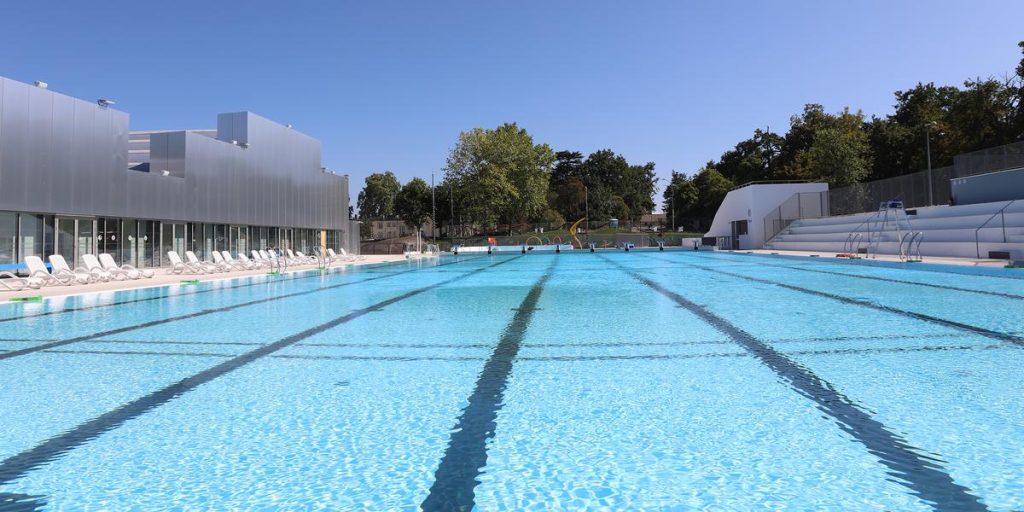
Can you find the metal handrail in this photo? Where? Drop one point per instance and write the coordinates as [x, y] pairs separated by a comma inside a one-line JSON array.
[[322, 261], [977, 238], [857, 229], [920, 238], [904, 255], [857, 240]]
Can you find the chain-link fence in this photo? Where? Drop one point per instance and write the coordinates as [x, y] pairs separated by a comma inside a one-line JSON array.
[[986, 160], [912, 189]]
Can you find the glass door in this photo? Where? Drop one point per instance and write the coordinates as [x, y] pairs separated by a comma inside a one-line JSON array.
[[75, 238], [66, 240], [107, 233], [86, 236]]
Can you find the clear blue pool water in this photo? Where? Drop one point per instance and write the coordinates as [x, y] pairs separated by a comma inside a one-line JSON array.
[[618, 381]]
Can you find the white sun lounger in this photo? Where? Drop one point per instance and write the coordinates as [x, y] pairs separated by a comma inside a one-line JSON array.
[[37, 270], [12, 283], [221, 264], [93, 265], [355, 257], [131, 272], [338, 257], [206, 267], [258, 259], [180, 267], [249, 264], [236, 264], [79, 275]]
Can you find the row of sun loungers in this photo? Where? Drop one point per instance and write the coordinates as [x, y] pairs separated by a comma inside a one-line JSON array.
[[261, 259], [96, 270], [104, 268]]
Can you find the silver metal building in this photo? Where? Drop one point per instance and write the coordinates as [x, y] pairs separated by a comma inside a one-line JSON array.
[[74, 180]]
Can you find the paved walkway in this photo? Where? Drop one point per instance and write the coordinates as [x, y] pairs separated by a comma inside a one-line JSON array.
[[162, 278]]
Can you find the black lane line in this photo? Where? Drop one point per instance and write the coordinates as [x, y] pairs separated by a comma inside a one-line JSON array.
[[839, 351], [924, 476], [211, 290], [151, 323], [456, 477], [973, 329], [642, 357], [540, 345], [19, 465], [891, 280]]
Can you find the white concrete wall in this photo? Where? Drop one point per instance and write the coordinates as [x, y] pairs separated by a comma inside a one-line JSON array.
[[752, 203]]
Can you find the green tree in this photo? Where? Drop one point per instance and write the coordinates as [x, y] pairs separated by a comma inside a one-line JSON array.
[[377, 199], [412, 204], [501, 174], [752, 159], [711, 190], [679, 199], [827, 147], [566, 194], [615, 188], [637, 189]]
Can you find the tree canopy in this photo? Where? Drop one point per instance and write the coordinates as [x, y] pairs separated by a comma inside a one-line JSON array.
[[500, 174], [377, 199], [412, 204]]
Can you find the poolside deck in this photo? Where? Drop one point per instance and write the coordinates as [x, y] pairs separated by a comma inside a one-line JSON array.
[[162, 278]]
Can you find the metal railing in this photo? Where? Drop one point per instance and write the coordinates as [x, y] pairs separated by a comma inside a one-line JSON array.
[[1002, 221], [907, 245]]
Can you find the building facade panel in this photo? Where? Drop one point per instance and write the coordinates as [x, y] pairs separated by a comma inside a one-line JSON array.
[[66, 185]]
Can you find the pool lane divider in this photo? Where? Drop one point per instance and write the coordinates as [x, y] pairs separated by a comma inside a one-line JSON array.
[[923, 475], [204, 312], [973, 329], [17, 466], [250, 283], [466, 455]]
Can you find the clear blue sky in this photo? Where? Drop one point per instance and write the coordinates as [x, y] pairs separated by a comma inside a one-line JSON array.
[[389, 85]]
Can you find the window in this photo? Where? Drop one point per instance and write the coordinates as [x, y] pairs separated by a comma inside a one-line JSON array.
[[8, 238], [36, 236], [107, 237]]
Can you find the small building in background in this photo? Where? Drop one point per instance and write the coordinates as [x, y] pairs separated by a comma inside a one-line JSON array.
[[394, 228]]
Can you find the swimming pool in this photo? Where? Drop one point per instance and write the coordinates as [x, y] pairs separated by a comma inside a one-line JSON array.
[[641, 380]]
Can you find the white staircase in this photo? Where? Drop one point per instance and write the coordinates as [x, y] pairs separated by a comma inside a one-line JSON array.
[[968, 231]]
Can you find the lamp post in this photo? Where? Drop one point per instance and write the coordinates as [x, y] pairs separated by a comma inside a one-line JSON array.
[[672, 201], [433, 206], [586, 211], [928, 150]]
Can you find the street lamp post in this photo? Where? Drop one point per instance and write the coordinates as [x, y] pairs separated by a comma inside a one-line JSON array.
[[433, 207], [586, 211], [928, 150]]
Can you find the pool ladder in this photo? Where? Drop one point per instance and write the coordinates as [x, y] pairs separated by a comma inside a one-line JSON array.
[[852, 244], [278, 263], [322, 261], [910, 246]]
